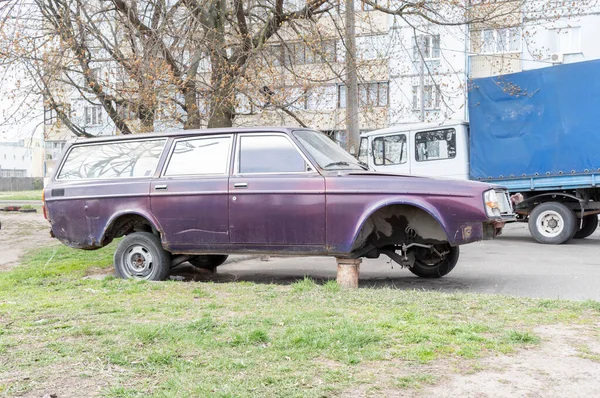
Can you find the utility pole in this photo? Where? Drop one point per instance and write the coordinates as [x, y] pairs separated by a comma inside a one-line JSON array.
[[352, 122], [420, 47]]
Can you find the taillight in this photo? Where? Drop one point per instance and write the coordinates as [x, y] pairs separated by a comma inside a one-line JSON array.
[[44, 204]]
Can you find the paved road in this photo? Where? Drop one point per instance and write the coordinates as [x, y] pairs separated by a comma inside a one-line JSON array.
[[513, 264]]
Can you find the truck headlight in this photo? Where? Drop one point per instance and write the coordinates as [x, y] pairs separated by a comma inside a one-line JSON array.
[[490, 200]]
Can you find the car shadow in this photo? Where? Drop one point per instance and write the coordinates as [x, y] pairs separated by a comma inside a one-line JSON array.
[[186, 273]]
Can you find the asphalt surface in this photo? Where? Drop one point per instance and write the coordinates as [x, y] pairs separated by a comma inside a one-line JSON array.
[[513, 264]]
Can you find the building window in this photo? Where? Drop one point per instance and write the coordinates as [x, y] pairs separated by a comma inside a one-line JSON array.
[[369, 94], [566, 40], [93, 115], [431, 97], [49, 116], [300, 53], [428, 46], [494, 41], [126, 111]]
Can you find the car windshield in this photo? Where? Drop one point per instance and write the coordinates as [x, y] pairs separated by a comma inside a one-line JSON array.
[[326, 152]]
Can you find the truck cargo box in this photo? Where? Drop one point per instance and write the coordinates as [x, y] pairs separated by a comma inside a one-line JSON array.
[[542, 122]]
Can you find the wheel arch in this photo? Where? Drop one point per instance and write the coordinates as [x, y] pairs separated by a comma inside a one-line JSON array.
[[126, 222], [361, 231]]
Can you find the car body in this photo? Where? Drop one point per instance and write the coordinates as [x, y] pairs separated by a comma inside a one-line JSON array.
[[268, 190]]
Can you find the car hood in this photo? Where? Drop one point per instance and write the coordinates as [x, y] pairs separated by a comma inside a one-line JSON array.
[[377, 182]]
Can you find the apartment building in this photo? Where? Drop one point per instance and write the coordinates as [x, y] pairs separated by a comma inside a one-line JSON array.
[[409, 70]]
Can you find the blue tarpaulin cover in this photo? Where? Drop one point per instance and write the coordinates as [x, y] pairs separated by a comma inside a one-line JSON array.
[[544, 121]]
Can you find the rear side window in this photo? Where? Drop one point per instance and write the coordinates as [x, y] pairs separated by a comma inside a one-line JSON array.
[[269, 154], [435, 145], [112, 160], [391, 149], [200, 156]]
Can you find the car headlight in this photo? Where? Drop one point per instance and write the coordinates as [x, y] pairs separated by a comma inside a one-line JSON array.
[[490, 200]]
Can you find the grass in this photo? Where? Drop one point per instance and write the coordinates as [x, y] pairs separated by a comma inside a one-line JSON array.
[[119, 338], [21, 195]]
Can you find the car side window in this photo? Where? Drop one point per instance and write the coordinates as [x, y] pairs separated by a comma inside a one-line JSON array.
[[435, 145], [269, 154], [199, 156], [391, 149], [112, 160]]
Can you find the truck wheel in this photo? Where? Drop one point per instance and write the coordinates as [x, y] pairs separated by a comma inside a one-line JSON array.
[[590, 223], [140, 256], [429, 265], [209, 262], [552, 223]]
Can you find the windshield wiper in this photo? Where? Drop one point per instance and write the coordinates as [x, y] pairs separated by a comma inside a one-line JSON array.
[[336, 164], [363, 165]]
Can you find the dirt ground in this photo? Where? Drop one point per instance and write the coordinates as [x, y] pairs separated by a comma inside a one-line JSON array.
[[19, 233]]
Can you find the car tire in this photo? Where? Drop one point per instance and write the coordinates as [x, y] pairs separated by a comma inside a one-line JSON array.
[[590, 223], [208, 262], [552, 223], [140, 255], [425, 268]]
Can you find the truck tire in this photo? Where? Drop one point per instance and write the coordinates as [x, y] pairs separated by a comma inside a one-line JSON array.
[[208, 262], [426, 268], [590, 223], [552, 223], [140, 255]]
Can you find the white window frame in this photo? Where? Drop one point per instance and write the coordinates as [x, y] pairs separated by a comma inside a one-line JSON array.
[[436, 96], [419, 46], [95, 115], [506, 40], [567, 31]]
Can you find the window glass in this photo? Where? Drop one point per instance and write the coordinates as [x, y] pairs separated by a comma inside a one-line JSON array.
[[326, 152], [112, 160], [269, 154], [390, 150], [435, 145], [363, 155], [200, 156]]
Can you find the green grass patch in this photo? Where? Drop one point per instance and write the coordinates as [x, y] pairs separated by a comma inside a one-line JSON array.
[[21, 195], [242, 339]]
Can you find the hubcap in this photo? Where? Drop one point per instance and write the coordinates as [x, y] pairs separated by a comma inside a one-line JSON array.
[[550, 224], [138, 262]]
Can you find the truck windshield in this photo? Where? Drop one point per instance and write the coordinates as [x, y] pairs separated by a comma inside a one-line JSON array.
[[328, 154]]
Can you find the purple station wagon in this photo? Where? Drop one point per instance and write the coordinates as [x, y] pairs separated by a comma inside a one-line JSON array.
[[199, 196]]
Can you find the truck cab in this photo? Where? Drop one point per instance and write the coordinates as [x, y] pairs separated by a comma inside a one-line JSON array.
[[423, 149]]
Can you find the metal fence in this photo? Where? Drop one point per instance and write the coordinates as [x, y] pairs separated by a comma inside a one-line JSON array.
[[20, 183]]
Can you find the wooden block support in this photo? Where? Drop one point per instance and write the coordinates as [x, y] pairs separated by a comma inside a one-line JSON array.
[[347, 272]]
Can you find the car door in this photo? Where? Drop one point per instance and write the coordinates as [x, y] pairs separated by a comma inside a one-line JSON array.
[[390, 153], [275, 196], [189, 200]]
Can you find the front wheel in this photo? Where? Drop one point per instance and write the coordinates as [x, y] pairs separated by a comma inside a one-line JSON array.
[[590, 223], [552, 223], [140, 256], [429, 264]]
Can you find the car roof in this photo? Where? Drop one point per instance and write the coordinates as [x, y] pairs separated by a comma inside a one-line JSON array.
[[414, 126], [190, 133]]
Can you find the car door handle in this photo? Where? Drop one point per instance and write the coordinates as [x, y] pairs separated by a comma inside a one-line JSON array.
[[240, 185], [160, 187]]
